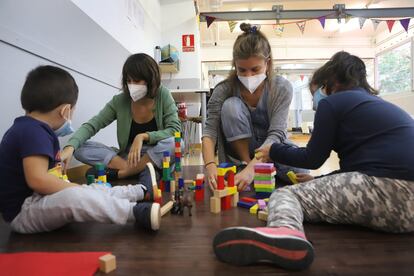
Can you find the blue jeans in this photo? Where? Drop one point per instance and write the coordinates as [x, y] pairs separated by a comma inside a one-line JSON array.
[[94, 152]]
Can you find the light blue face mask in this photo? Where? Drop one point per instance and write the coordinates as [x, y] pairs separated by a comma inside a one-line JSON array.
[[65, 129], [317, 96]]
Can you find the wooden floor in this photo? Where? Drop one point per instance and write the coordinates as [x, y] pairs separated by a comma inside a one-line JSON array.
[[183, 245]]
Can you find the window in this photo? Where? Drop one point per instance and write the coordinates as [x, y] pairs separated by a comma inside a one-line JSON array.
[[394, 70]]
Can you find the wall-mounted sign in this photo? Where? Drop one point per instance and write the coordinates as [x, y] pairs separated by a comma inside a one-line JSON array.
[[188, 43]]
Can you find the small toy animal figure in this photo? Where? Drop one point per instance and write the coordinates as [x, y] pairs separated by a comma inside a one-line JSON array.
[[177, 208], [182, 199]]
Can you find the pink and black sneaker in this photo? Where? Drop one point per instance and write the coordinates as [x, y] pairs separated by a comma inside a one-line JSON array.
[[284, 247]]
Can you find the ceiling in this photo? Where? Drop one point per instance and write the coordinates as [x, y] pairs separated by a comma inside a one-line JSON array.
[[219, 32]]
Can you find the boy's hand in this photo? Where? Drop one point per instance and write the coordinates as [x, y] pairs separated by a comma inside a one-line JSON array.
[[262, 153], [135, 151], [66, 156], [304, 177]]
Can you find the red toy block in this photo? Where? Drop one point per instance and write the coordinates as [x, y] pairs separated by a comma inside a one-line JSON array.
[[230, 179], [158, 200], [178, 154], [264, 171], [177, 144], [220, 183], [161, 186], [248, 199], [226, 203], [199, 195]]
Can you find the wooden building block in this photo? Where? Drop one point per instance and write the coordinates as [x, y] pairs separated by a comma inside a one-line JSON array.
[[166, 208], [215, 205], [220, 193], [107, 263], [262, 215], [235, 199]]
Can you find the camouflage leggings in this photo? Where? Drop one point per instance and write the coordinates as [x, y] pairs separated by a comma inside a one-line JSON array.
[[346, 198]]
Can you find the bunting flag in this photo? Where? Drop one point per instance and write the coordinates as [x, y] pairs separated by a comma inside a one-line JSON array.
[[405, 22], [375, 23], [301, 77], [322, 21], [361, 22], [347, 18], [209, 19], [390, 23], [279, 29], [301, 26], [232, 25]]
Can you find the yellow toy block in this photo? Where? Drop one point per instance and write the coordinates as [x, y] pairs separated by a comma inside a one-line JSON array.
[[292, 177], [223, 171], [165, 165], [258, 155], [56, 171], [177, 134], [102, 178], [231, 190], [253, 210], [264, 186]]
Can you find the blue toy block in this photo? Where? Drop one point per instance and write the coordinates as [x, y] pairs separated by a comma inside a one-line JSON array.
[[261, 195], [166, 153], [180, 183], [246, 205], [167, 186], [225, 165]]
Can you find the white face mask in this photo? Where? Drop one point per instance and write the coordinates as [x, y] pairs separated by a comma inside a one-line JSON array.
[[252, 82], [137, 91]]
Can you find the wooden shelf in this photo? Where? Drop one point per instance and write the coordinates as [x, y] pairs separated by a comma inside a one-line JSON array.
[[169, 67]]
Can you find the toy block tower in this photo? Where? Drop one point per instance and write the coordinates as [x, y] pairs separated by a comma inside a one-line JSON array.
[[166, 175], [224, 197], [101, 180], [177, 173], [264, 179]]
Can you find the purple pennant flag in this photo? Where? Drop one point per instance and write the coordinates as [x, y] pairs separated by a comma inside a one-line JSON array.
[[209, 19], [322, 20], [405, 22]]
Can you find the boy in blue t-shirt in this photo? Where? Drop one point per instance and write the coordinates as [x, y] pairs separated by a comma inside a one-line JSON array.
[[33, 200]]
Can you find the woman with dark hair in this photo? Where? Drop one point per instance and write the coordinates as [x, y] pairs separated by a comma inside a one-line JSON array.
[[374, 188], [146, 117]]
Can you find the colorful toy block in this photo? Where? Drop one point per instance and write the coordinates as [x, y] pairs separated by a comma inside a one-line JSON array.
[[264, 180], [199, 189], [225, 196], [292, 177]]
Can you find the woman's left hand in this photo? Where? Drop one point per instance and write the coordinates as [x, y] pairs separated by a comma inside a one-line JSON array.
[[135, 151]]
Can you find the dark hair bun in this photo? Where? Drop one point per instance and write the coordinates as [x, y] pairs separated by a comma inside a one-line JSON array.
[[245, 27]]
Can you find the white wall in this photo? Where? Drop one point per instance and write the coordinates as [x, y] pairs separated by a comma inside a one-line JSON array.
[[58, 32], [179, 18], [135, 24]]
